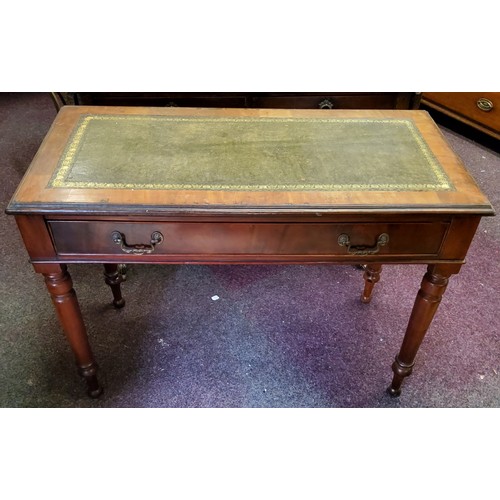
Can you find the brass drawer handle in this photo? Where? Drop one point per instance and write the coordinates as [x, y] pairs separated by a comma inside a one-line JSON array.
[[484, 104], [345, 241], [119, 239]]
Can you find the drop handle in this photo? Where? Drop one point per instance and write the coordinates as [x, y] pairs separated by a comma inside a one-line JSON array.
[[139, 249], [345, 241]]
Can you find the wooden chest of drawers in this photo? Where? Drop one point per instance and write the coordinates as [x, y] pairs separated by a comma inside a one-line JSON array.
[[480, 110]]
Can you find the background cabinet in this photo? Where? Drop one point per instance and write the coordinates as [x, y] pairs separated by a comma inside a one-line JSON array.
[[293, 100], [480, 110]]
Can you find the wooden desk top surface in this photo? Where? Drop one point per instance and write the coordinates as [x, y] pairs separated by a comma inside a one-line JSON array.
[[109, 160]]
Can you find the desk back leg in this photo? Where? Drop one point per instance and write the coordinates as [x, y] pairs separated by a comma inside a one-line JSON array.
[[113, 277], [63, 296], [428, 298], [371, 276]]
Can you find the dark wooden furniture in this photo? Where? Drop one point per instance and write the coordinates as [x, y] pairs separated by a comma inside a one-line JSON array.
[[480, 110], [180, 185], [285, 100]]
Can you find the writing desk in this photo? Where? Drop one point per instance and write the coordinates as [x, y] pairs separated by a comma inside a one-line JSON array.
[[118, 185]]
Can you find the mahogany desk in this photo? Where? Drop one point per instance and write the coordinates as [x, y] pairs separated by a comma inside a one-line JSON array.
[[169, 186]]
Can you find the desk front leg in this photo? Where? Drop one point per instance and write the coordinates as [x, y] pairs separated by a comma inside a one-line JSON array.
[[428, 298], [63, 296]]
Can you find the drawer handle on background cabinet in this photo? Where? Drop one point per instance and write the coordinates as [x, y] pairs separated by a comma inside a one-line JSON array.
[[119, 239], [345, 241], [326, 104], [484, 104]]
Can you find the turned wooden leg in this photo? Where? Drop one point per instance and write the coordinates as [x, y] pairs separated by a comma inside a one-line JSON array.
[[371, 276], [113, 277], [63, 296], [428, 298]]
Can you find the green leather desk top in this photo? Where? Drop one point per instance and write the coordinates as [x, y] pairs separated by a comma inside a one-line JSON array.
[[143, 161], [276, 154]]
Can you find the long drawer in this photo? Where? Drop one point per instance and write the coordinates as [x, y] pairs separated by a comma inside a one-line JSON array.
[[75, 237]]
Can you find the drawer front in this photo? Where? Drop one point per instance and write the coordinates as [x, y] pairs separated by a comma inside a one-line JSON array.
[[309, 240], [329, 101], [162, 99], [204, 102], [481, 107]]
